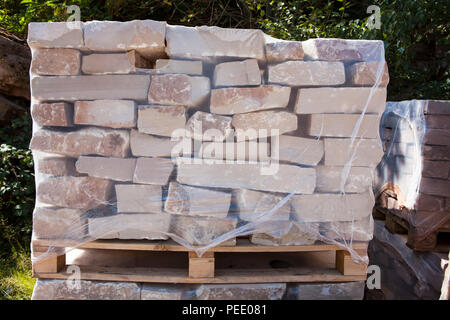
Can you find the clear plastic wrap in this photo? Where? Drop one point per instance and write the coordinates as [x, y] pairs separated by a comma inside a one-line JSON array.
[[202, 135]]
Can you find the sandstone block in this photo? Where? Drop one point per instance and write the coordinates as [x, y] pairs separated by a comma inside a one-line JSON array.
[[237, 73], [368, 74], [200, 230], [426, 202], [161, 120], [344, 231], [90, 290], [307, 73], [58, 114], [145, 145], [107, 87], [340, 100], [243, 100], [250, 291], [106, 113], [59, 223], [128, 226], [329, 291], [438, 121], [341, 179], [112, 63], [437, 137], [55, 35], [436, 152], [139, 198], [437, 107], [75, 192], [153, 171], [179, 66], [178, 89], [157, 291], [256, 206], [103, 142], [195, 201], [252, 151], [436, 169], [118, 169], [435, 187], [362, 153], [288, 233], [339, 49], [146, 36], [264, 123], [214, 42], [343, 125], [298, 150], [284, 178], [56, 62], [57, 166], [209, 127], [279, 51], [332, 207]]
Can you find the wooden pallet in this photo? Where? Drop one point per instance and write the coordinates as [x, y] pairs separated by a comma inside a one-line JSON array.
[[437, 240], [203, 269]]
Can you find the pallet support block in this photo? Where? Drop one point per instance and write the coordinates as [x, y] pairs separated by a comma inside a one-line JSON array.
[[52, 264], [201, 267], [348, 267]]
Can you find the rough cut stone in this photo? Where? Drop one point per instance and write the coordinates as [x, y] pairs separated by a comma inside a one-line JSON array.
[[251, 205], [55, 35], [437, 107], [214, 42], [139, 198], [99, 87], [242, 100], [328, 207], [435, 187], [367, 74], [362, 153], [58, 114], [339, 49], [145, 145], [340, 100], [331, 179], [178, 89], [118, 169], [307, 73], [298, 150], [86, 141], [237, 73], [161, 120], [75, 192], [179, 66], [239, 291], [280, 178], [328, 291], [161, 291], [358, 230], [106, 113], [425, 202], [279, 51], [146, 36], [205, 126], [438, 121], [343, 125], [288, 233], [57, 166], [148, 226], [89, 290], [195, 201], [197, 230], [436, 152], [264, 123], [436, 169], [153, 171], [56, 62], [437, 137], [106, 63], [253, 151], [59, 223]]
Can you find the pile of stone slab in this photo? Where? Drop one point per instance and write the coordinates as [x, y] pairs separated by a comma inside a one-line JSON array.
[[413, 178], [143, 130]]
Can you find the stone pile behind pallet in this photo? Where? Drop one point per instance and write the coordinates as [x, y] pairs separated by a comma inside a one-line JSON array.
[[413, 179]]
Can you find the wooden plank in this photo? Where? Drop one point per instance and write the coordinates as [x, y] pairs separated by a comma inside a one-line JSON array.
[[172, 275], [243, 245]]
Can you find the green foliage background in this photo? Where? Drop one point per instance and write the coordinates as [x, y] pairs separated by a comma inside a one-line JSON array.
[[415, 34]]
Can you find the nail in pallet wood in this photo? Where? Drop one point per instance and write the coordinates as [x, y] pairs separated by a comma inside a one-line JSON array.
[[436, 240], [203, 269]]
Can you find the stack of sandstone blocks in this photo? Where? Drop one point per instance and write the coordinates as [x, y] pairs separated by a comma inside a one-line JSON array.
[[133, 121], [416, 165]]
